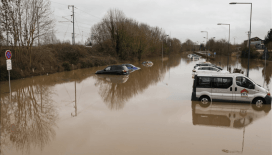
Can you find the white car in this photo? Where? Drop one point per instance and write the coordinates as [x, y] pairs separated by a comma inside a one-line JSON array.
[[208, 69]]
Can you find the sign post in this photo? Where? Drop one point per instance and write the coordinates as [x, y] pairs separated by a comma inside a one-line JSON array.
[[9, 67]]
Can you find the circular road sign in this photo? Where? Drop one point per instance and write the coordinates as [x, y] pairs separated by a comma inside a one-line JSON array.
[[8, 54]]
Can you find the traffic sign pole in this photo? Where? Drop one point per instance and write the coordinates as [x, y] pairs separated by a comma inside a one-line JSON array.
[[8, 56], [9, 86]]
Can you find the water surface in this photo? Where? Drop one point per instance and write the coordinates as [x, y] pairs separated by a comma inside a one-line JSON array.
[[147, 112]]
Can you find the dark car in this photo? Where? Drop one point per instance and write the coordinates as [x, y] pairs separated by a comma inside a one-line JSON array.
[[114, 69]]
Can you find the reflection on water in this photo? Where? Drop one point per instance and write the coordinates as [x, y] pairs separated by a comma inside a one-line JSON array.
[[227, 115], [116, 90], [29, 119], [231, 115]]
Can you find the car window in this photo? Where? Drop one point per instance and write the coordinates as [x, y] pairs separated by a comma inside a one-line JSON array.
[[113, 68], [203, 82], [221, 82], [120, 67], [107, 68], [244, 82]]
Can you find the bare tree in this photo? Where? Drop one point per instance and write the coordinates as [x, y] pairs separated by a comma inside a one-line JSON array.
[[24, 22]]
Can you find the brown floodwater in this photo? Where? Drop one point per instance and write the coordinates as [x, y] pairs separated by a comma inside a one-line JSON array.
[[146, 112]]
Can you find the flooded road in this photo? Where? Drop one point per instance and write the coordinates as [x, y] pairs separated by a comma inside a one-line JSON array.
[[147, 112]]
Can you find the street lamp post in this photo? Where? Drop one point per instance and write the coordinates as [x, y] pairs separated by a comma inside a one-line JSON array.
[[162, 46], [249, 33], [228, 43], [206, 40]]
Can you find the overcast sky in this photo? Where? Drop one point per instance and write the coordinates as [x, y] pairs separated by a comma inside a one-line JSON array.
[[183, 19]]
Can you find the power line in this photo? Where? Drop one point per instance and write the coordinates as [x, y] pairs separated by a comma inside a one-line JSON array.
[[88, 13]]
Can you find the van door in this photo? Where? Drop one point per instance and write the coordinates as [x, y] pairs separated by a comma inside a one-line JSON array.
[[222, 88], [244, 89]]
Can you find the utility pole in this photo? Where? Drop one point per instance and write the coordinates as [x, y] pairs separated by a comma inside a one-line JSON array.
[[248, 39], [73, 37], [7, 29], [82, 38]]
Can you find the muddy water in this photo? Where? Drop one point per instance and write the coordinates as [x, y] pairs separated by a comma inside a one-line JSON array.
[[146, 112]]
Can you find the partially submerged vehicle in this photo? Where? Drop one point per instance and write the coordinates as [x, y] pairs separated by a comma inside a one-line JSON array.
[[208, 69], [194, 55], [206, 64], [114, 69], [230, 88], [147, 63]]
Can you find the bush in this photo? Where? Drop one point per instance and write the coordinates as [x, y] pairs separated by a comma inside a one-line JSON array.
[[253, 53], [66, 66]]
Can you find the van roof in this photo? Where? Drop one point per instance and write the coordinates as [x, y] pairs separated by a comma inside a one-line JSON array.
[[221, 74]]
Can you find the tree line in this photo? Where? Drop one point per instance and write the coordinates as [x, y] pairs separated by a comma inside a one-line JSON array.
[[126, 38]]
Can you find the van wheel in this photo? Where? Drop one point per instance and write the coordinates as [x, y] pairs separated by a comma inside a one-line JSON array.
[[205, 101], [258, 104]]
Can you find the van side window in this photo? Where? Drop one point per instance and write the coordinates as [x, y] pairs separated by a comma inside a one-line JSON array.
[[244, 82], [222, 82], [203, 82], [213, 69]]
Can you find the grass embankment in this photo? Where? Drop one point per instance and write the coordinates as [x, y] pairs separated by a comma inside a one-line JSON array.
[[50, 59]]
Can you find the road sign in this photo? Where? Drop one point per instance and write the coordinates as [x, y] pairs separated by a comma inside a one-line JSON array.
[[8, 54], [9, 65]]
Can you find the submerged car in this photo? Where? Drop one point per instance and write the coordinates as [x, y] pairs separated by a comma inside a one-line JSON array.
[[206, 64], [209, 69], [147, 63], [114, 69], [194, 55], [131, 67]]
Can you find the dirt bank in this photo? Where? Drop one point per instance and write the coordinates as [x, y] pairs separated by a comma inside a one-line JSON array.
[[49, 59]]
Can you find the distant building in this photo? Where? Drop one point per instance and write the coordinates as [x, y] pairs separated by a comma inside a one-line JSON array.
[[259, 43], [255, 41]]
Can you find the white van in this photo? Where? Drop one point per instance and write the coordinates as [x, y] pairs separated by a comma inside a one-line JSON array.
[[228, 87]]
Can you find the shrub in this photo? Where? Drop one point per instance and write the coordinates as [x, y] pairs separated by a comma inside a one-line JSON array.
[[66, 66]]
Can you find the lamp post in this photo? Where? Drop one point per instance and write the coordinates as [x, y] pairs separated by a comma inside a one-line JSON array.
[[162, 44], [206, 40], [228, 43], [249, 33]]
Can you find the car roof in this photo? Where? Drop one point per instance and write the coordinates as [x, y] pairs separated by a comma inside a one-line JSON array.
[[205, 66], [116, 66], [220, 74]]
